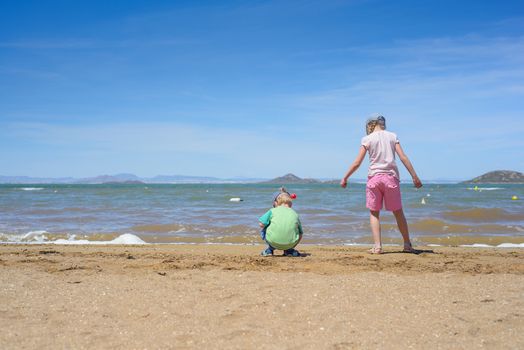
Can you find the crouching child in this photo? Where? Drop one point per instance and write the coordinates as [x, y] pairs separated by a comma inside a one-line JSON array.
[[281, 227]]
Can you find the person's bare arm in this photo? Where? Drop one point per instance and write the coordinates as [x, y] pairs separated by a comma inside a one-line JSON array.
[[354, 166], [407, 163]]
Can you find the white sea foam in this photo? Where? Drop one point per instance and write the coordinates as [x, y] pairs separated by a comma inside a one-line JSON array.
[[41, 237], [31, 188], [502, 245], [485, 188], [511, 245], [348, 244], [126, 238], [32, 236]]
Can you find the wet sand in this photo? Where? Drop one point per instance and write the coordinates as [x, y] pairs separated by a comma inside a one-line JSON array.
[[220, 296]]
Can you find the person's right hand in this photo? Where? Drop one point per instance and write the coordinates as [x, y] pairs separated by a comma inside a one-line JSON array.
[[343, 183], [416, 182]]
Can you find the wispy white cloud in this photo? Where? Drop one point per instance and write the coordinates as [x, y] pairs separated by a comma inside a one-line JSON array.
[[425, 73], [240, 151]]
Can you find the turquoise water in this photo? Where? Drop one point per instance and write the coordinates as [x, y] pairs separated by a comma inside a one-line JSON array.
[[452, 214]]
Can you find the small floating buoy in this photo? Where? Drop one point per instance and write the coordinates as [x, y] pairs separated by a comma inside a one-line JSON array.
[[476, 188], [293, 196], [514, 198], [236, 199], [423, 201]]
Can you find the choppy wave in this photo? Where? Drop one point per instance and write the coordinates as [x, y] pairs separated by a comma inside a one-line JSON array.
[[437, 226], [483, 215], [194, 229], [44, 237], [203, 214]]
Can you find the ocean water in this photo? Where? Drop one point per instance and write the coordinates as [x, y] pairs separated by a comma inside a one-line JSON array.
[[442, 214]]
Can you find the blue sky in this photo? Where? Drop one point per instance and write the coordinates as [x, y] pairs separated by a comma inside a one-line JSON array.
[[258, 88]]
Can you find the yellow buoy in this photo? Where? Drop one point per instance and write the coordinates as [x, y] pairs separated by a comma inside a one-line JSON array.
[[476, 188], [514, 198]]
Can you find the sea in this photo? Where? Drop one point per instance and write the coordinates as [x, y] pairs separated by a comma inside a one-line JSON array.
[[438, 214]]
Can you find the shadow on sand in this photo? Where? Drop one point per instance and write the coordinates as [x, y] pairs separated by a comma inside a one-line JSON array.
[[415, 251]]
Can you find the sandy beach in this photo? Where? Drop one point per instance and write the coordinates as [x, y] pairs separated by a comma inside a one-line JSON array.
[[220, 296]]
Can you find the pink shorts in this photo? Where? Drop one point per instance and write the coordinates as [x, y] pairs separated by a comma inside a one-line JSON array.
[[383, 187]]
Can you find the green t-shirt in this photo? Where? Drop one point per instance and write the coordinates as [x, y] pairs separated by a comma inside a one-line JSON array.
[[283, 228]]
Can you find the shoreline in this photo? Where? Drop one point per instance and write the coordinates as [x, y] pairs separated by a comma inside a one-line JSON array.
[[228, 296], [463, 241], [356, 245]]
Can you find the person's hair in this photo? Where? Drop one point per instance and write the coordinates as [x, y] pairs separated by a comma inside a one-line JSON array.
[[284, 198], [372, 124]]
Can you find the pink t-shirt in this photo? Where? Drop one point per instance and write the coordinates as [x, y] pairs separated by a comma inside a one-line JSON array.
[[381, 148]]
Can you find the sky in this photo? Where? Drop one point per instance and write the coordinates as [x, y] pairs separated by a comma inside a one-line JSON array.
[[258, 88]]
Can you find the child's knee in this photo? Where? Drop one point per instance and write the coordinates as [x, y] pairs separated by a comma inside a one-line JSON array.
[[375, 213], [398, 213]]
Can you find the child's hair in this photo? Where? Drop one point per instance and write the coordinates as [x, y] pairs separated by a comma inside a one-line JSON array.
[[371, 126], [373, 121], [276, 194], [284, 198]]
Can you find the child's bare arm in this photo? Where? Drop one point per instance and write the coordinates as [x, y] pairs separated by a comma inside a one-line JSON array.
[[356, 164], [405, 160]]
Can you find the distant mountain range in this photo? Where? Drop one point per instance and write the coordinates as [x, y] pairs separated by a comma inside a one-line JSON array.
[[159, 179], [124, 179], [499, 176], [291, 179]]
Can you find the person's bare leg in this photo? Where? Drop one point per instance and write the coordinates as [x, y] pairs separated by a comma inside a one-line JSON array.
[[374, 221], [402, 224]]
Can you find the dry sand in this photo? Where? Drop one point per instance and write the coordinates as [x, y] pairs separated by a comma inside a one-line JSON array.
[[228, 297]]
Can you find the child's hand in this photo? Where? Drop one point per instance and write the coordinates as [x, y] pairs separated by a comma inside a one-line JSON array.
[[343, 183], [416, 182]]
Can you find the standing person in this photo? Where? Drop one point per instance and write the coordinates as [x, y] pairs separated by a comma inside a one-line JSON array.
[[383, 183], [281, 227]]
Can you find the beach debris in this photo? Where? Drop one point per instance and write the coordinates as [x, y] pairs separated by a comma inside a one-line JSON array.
[[514, 198], [423, 201], [48, 252], [236, 199]]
